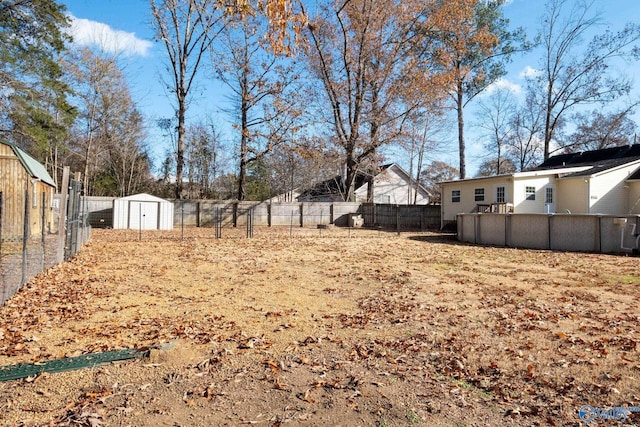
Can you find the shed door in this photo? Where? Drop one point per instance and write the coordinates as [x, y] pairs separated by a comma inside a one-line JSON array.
[[143, 215]]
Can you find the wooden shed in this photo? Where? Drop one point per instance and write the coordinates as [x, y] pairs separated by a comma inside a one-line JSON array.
[[142, 211], [24, 181]]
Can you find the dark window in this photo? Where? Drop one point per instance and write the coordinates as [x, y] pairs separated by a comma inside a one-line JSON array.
[[530, 193], [500, 198], [479, 194], [455, 196]]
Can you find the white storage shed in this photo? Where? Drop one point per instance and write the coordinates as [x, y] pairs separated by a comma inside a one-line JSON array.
[[142, 212]]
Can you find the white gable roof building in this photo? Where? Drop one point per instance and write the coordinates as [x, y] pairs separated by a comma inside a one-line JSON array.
[[603, 181], [142, 212]]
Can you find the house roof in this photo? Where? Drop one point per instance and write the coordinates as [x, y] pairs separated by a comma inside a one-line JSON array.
[[31, 165], [634, 176], [335, 185], [597, 160]]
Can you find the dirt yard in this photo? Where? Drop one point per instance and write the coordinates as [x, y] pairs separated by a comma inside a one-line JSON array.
[[324, 327]]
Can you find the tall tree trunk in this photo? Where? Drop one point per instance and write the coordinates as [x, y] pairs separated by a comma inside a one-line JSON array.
[[244, 136], [547, 122], [182, 108], [350, 179], [461, 145]]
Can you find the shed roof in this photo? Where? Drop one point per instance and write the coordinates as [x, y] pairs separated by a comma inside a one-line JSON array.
[[144, 197], [34, 167]]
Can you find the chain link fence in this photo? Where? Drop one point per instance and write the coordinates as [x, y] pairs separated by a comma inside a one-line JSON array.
[[42, 243]]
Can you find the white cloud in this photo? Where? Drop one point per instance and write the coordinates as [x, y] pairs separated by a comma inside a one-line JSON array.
[[105, 38], [529, 71], [514, 88]]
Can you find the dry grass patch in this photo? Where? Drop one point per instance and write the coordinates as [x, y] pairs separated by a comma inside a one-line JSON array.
[[363, 328]]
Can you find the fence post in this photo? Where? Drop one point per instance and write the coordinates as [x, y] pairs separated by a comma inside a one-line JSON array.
[[25, 236], [42, 235], [249, 224], [398, 219], [291, 224], [1, 204], [218, 222], [549, 225], [62, 213], [235, 214]]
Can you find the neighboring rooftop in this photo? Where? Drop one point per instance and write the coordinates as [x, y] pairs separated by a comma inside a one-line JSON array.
[[336, 186]]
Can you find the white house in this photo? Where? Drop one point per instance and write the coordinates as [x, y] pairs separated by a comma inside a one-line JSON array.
[[391, 185], [603, 181], [142, 212]]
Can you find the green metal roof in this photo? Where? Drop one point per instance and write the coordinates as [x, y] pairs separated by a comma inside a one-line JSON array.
[[34, 167]]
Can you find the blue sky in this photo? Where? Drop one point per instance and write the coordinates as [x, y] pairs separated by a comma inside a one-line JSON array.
[[122, 26]]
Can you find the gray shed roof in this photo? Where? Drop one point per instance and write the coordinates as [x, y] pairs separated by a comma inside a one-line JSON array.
[[34, 167]]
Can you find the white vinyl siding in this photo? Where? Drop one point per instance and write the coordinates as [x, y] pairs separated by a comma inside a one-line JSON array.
[[521, 202], [634, 198], [609, 192], [467, 189]]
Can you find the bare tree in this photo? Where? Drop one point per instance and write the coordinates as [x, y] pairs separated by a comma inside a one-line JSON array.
[[361, 52], [600, 129], [424, 138], [435, 173], [98, 82], [525, 143], [573, 74], [204, 146], [187, 28], [495, 112], [128, 162], [489, 167], [265, 91]]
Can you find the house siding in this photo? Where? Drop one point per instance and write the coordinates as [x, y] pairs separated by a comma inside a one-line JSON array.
[[571, 196], [467, 189], [520, 202], [634, 197], [391, 186], [608, 194]]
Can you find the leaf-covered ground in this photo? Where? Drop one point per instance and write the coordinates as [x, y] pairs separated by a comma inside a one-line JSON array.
[[324, 327]]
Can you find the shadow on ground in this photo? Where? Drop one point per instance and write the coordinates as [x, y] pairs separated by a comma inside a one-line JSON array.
[[448, 238]]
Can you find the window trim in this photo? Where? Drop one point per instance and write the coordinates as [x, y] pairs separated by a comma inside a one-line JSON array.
[[502, 199], [530, 192], [548, 195]]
